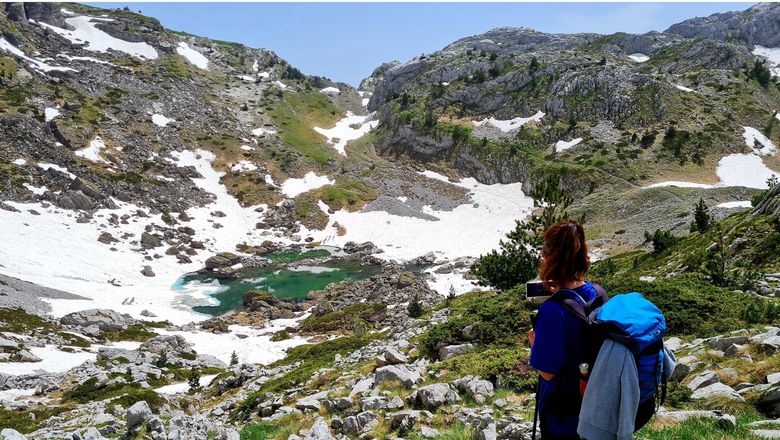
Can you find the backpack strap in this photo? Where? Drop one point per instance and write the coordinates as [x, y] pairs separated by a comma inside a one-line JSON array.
[[572, 301]]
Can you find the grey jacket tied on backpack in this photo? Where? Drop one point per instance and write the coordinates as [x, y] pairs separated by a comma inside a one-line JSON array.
[[611, 399]]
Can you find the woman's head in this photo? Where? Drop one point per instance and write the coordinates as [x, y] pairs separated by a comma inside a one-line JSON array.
[[564, 254]]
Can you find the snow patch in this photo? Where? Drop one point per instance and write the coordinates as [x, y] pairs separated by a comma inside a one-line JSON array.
[[680, 184], [685, 89], [160, 120], [331, 91], [746, 170], [92, 151], [639, 57], [50, 113], [293, 187], [754, 137], [183, 387], [247, 148], [193, 56], [55, 167], [492, 212], [736, 204], [86, 33], [281, 85], [772, 55], [36, 190], [509, 124], [347, 129], [243, 165], [563, 145], [34, 63], [261, 131], [19, 162], [53, 360]]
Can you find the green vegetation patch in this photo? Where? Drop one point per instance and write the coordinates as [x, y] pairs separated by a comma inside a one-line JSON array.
[[342, 320], [134, 332], [507, 367], [296, 114], [292, 256], [29, 420], [125, 395]]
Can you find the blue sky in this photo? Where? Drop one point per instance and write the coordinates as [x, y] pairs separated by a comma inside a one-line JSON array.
[[346, 41]]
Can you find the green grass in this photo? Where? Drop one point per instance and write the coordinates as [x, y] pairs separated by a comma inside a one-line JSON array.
[[124, 395], [296, 115], [134, 332], [697, 429], [19, 321], [29, 420], [292, 256], [341, 320]]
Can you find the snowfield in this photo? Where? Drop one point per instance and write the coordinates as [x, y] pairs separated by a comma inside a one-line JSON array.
[[243, 166], [332, 91], [92, 151], [680, 184], [509, 124], [746, 170], [772, 56], [160, 120], [756, 141], [293, 187], [53, 360], [86, 33], [736, 204], [349, 128], [262, 131], [639, 57], [492, 213], [193, 56], [50, 113], [34, 63], [563, 145]]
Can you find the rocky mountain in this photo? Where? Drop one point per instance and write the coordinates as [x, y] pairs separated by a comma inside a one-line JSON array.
[[202, 242]]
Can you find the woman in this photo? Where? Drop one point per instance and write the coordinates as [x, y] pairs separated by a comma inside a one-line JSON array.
[[556, 340]]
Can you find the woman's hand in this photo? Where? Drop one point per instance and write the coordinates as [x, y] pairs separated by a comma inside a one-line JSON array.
[[531, 337]]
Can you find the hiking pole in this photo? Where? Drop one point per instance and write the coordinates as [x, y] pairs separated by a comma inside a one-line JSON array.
[[536, 408]]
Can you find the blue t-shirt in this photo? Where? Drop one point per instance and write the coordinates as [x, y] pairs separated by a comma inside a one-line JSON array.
[[556, 351]]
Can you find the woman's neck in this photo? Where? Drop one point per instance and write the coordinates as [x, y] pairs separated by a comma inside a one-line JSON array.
[[573, 284]]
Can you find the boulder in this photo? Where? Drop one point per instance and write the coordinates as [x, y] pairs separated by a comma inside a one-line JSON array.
[[138, 414], [769, 402], [722, 343], [362, 386], [406, 376], [454, 350], [11, 434], [149, 241], [147, 271], [167, 344], [474, 386], [405, 420], [391, 356], [717, 390], [704, 379], [434, 396], [360, 423], [105, 320]]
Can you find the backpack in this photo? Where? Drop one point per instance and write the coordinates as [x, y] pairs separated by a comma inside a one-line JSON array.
[[629, 319]]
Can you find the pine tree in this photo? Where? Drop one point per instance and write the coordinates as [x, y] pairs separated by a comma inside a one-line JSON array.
[[702, 219], [415, 308], [194, 379], [162, 360], [233, 359], [451, 294]]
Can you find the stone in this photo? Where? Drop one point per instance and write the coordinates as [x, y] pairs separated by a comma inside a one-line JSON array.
[[362, 386], [673, 344], [704, 379], [147, 271], [407, 377], [391, 356], [138, 414], [486, 432], [428, 432], [320, 431], [11, 434], [360, 423], [454, 350], [405, 420], [769, 402], [722, 343], [716, 390], [92, 434], [103, 319], [149, 241], [773, 378], [435, 395], [474, 386]]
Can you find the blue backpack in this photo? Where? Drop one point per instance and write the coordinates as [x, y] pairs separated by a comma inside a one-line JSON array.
[[629, 319]]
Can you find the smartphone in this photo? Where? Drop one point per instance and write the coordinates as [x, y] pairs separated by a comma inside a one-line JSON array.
[[534, 289]]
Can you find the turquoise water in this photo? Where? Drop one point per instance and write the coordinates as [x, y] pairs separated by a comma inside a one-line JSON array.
[[216, 297]]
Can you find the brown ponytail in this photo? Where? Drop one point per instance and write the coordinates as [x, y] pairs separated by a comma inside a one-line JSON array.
[[565, 255]]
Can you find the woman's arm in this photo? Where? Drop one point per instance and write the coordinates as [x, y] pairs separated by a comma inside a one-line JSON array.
[[547, 341]]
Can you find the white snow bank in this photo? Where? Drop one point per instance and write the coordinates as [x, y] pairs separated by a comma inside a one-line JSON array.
[[193, 56], [34, 63], [53, 360], [736, 204], [15, 393], [86, 33], [36, 190], [89, 59], [509, 124], [772, 56], [19, 162], [456, 280], [639, 57], [50, 113], [744, 170], [777, 115], [685, 89], [160, 120], [754, 137], [247, 148], [332, 91], [262, 131], [470, 229], [55, 167], [183, 387], [293, 187], [92, 151], [281, 85], [243, 165], [345, 131], [680, 184], [563, 145], [255, 346]]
